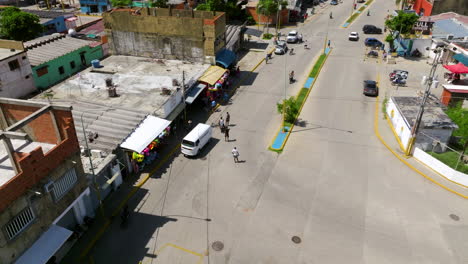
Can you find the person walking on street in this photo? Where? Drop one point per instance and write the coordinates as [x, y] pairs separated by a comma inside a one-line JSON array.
[[221, 124], [266, 58], [228, 119], [235, 154], [329, 42], [226, 134], [291, 77]]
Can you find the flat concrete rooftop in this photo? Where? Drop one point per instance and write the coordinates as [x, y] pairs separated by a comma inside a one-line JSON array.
[[6, 169], [139, 82], [6, 53]]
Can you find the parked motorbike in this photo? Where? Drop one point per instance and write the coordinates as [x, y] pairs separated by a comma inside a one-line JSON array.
[[399, 82], [373, 54], [416, 53]]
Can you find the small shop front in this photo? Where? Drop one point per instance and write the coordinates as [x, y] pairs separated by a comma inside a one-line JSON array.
[[145, 143], [216, 82]]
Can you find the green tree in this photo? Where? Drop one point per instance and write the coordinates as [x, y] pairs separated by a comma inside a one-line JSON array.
[[403, 23], [291, 107], [18, 25], [121, 3], [459, 116], [230, 7], [159, 3], [267, 8]]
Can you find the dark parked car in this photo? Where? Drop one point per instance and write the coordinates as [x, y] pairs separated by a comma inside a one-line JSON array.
[[370, 88], [361, 1], [372, 42], [333, 2], [371, 29]]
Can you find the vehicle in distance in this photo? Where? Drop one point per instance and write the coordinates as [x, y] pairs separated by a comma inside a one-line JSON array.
[[371, 29], [372, 42], [361, 1], [292, 37], [354, 36], [370, 88], [281, 47], [333, 2]]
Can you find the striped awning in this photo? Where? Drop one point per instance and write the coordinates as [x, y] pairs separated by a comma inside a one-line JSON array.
[[212, 75]]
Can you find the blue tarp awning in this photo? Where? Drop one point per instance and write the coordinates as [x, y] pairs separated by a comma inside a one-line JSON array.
[[461, 58], [225, 57]]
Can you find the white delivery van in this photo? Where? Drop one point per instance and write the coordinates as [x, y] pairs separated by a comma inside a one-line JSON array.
[[196, 139]]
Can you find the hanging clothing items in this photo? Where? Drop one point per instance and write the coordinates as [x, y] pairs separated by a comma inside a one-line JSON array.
[[138, 157]]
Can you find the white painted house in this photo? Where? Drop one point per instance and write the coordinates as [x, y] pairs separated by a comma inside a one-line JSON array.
[[436, 126], [16, 79]]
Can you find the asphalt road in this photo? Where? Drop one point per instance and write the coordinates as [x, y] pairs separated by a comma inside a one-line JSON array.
[[335, 186]]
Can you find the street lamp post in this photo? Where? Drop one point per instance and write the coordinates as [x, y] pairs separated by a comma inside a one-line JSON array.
[[429, 83], [88, 152]]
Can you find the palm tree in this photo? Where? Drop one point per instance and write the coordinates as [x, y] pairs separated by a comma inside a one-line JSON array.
[[267, 7]]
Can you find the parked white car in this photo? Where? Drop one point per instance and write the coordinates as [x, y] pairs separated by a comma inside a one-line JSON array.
[[354, 36], [292, 37]]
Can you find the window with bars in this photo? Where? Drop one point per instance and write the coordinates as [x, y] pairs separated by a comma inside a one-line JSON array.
[[64, 184], [19, 223]]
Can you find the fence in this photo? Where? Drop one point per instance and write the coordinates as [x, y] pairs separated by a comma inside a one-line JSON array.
[[445, 149]]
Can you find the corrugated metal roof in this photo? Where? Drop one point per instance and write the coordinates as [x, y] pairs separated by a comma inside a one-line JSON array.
[[112, 124], [53, 49], [450, 26]]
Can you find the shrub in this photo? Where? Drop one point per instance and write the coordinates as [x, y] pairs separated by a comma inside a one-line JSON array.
[[267, 36]]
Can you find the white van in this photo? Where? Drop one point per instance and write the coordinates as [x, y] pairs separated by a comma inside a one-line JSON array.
[[196, 139]]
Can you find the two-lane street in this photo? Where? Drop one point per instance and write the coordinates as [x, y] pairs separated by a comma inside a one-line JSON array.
[[335, 185]]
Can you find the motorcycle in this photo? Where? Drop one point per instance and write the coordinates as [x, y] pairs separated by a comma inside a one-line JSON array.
[[399, 82], [416, 53], [373, 54]]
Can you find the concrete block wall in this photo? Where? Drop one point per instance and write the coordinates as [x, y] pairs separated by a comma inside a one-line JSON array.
[[165, 33], [19, 82], [44, 207], [41, 129], [35, 166]]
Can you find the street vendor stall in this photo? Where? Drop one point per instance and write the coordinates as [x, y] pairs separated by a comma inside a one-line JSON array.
[[144, 143], [217, 80]]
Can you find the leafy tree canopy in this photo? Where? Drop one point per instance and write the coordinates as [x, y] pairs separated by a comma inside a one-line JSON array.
[[229, 7], [121, 3], [19, 25], [159, 3], [459, 116], [402, 23]]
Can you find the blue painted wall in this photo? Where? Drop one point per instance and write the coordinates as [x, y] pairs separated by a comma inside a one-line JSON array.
[[55, 25], [101, 5]]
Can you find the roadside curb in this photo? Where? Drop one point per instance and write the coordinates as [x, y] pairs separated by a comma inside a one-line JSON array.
[[402, 159], [279, 141]]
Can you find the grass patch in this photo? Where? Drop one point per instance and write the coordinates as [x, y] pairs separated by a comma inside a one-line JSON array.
[[301, 96], [369, 2], [317, 66], [384, 106], [362, 8], [267, 36], [450, 159], [351, 18]]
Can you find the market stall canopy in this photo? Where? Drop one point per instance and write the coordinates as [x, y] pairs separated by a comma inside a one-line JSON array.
[[457, 68], [46, 246], [212, 75], [462, 58], [225, 57], [146, 132], [193, 93]]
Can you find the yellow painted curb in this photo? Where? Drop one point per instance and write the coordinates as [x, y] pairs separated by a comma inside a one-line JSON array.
[[395, 134], [376, 131]]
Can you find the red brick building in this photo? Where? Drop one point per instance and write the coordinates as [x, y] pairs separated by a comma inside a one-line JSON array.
[[43, 187]]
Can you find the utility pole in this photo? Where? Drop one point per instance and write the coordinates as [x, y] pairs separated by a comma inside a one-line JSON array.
[[429, 82]]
